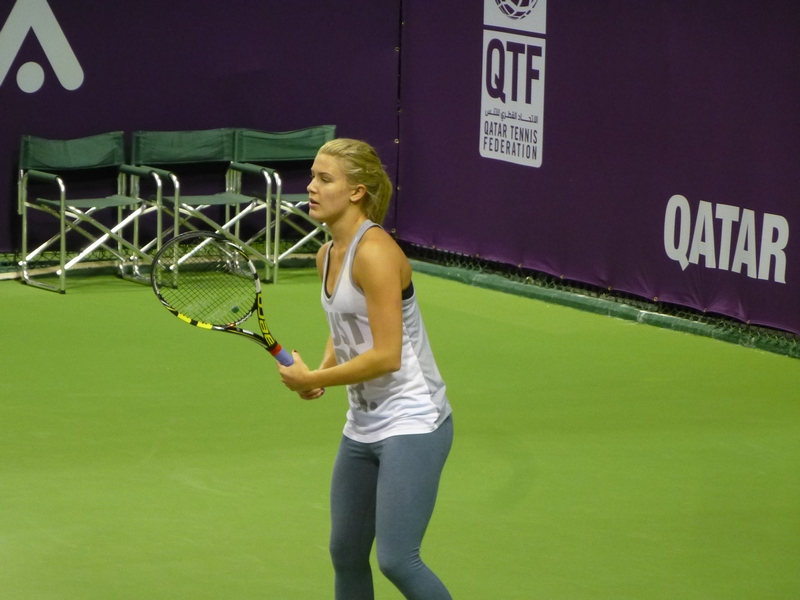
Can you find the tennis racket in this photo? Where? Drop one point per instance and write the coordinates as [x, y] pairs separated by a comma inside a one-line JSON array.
[[209, 282]]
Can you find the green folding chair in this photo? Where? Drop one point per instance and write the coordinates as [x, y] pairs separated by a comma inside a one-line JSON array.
[[177, 155], [287, 148], [94, 161]]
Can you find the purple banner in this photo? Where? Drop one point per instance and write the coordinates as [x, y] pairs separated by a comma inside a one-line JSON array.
[[645, 147], [72, 68], [659, 159]]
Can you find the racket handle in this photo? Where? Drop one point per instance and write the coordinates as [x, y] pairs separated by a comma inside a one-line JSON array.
[[283, 357]]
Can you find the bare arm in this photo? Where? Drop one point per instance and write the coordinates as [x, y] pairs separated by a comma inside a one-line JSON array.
[[382, 271]]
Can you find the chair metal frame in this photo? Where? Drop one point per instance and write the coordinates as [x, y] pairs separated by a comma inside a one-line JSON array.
[[163, 152], [80, 215], [270, 148]]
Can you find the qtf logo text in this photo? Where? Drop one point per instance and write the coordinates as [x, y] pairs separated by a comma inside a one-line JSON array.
[[512, 94]]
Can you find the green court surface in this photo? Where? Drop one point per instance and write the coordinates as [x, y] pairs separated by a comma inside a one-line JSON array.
[[594, 458]]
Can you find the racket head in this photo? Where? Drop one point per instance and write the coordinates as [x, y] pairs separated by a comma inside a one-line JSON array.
[[206, 278]]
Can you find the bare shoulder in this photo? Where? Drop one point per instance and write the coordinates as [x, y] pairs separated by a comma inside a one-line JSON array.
[[378, 255], [377, 245]]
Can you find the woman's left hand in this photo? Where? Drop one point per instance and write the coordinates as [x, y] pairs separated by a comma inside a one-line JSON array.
[[296, 377]]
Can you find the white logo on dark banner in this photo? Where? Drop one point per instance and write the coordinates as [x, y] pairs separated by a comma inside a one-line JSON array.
[[512, 96], [37, 16], [727, 238]]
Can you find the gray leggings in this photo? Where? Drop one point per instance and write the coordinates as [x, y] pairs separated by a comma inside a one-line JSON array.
[[386, 492]]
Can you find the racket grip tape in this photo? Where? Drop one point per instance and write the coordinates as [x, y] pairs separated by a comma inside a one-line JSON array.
[[282, 356]]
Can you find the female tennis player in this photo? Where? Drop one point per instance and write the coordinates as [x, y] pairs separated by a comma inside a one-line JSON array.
[[399, 427]]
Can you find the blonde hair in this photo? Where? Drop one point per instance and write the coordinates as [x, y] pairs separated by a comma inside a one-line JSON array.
[[362, 166]]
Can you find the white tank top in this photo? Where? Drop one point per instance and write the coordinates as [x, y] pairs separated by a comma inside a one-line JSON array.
[[409, 401]]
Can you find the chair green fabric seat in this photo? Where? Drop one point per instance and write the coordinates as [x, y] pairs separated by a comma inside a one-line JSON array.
[[183, 147], [108, 202], [282, 146], [91, 152]]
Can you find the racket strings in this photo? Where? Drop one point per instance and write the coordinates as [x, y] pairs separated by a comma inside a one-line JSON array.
[[206, 282]]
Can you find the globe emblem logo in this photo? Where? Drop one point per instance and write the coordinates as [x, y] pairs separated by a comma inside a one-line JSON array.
[[516, 9]]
